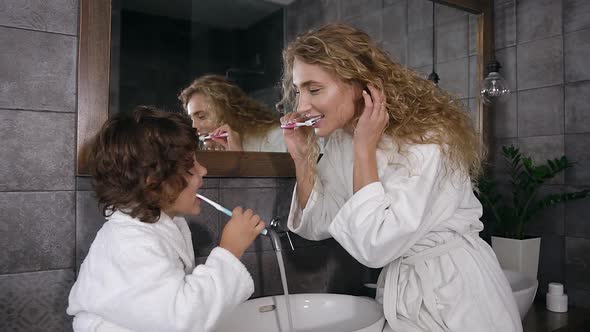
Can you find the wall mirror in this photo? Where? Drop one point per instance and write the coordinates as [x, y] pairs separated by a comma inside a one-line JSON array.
[[145, 51]]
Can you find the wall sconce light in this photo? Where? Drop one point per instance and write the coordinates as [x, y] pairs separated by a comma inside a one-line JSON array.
[[494, 88]]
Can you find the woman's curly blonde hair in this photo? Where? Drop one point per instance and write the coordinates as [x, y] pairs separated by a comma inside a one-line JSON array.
[[234, 108], [419, 112]]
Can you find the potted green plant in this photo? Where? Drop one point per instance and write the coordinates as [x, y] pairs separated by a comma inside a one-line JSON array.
[[508, 213]]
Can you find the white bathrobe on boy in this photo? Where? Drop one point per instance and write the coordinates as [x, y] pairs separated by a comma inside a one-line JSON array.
[[142, 277], [421, 224]]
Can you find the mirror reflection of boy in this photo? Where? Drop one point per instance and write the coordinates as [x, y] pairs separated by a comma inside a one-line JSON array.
[[140, 273]]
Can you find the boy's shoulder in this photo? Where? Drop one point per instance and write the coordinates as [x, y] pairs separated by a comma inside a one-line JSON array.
[[122, 230]]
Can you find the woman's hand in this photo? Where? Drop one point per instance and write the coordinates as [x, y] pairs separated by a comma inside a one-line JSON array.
[[296, 138], [372, 122], [233, 141], [367, 135]]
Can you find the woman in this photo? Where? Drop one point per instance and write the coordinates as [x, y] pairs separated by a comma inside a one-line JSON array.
[[393, 185], [217, 106]]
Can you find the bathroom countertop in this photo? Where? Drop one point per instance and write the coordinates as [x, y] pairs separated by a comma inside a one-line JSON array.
[[539, 319]]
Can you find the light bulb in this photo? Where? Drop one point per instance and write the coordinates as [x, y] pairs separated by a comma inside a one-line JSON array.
[[494, 88]]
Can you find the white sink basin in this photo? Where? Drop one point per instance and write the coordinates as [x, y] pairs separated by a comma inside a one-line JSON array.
[[311, 312], [523, 288]]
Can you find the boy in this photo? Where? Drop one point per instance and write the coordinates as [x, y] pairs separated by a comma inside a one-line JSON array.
[[140, 272]]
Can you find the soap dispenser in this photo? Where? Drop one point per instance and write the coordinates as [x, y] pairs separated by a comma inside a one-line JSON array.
[[556, 299]]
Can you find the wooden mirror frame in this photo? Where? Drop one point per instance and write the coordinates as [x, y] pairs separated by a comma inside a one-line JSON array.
[[93, 91]]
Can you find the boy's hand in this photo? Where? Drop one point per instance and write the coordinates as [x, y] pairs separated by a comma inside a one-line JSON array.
[[240, 231]]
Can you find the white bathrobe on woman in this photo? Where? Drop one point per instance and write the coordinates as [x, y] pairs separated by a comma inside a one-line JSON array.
[[142, 277], [421, 224], [271, 141]]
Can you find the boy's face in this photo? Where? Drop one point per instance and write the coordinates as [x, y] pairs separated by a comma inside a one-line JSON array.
[[187, 203]]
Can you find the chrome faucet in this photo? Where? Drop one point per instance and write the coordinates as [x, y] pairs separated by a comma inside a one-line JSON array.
[[273, 232]]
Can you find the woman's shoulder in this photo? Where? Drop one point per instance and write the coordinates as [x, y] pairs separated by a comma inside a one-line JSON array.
[[408, 151], [409, 159]]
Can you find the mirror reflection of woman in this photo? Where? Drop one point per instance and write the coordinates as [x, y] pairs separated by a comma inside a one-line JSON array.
[[217, 106], [393, 185]]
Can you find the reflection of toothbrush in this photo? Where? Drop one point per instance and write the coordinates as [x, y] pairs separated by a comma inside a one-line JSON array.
[[210, 137], [222, 209], [308, 123]]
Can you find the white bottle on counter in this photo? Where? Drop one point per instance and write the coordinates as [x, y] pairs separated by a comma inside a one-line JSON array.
[[556, 299]]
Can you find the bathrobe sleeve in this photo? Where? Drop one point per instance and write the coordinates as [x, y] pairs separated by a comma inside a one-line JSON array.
[[384, 219], [172, 300], [329, 193]]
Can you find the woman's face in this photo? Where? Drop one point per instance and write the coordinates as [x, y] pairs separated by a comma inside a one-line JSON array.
[[187, 203], [200, 109], [320, 92]]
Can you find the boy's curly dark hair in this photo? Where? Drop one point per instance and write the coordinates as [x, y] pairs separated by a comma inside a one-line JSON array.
[[139, 161]]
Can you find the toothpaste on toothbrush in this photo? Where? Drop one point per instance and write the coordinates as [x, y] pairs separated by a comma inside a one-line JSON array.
[[206, 137], [307, 123]]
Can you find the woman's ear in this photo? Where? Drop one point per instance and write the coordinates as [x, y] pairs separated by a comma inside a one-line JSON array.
[[357, 95]]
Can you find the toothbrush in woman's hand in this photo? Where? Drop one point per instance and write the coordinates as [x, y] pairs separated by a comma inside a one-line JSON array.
[[308, 123], [206, 137], [222, 209]]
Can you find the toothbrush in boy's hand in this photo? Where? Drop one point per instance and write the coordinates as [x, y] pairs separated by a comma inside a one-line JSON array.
[[222, 209], [210, 136], [308, 123]]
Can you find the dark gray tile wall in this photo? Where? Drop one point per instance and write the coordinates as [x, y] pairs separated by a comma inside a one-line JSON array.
[[37, 150], [38, 70], [531, 122], [537, 19], [551, 261], [577, 256], [540, 63], [505, 117], [89, 219], [37, 183], [35, 301], [577, 99], [60, 16], [576, 15], [504, 23], [576, 52], [543, 46], [37, 231]]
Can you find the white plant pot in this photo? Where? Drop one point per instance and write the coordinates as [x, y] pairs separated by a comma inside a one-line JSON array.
[[518, 255]]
